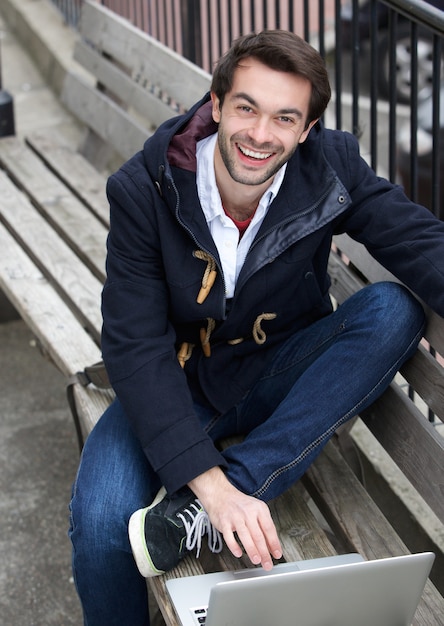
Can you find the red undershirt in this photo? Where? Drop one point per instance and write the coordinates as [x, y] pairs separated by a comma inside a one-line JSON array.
[[241, 225]]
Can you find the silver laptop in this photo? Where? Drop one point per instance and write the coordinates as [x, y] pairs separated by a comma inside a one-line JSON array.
[[341, 590]]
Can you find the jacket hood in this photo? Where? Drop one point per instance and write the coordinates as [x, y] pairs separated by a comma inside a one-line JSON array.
[[174, 142]]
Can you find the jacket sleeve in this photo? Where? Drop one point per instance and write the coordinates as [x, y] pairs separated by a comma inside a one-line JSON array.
[[138, 342], [406, 238]]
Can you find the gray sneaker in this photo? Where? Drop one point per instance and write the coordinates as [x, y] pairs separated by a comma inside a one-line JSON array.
[[164, 532]]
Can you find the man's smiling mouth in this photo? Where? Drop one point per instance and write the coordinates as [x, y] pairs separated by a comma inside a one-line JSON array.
[[253, 154]]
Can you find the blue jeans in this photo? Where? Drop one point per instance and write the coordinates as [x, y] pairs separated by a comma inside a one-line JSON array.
[[321, 377]]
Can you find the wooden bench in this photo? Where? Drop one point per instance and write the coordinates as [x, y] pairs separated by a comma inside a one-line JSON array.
[[53, 226]]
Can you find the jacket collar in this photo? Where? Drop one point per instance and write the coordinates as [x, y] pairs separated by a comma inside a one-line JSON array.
[[174, 142]]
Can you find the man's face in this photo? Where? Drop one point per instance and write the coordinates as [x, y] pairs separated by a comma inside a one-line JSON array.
[[261, 123]]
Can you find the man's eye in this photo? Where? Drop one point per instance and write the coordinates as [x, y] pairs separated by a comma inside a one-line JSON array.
[[286, 120]]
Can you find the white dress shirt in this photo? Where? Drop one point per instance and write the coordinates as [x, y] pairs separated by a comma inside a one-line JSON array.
[[225, 233]]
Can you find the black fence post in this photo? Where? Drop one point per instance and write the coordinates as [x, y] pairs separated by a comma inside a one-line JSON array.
[[7, 125], [191, 31]]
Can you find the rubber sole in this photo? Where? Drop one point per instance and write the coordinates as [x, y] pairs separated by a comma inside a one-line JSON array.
[[136, 533]]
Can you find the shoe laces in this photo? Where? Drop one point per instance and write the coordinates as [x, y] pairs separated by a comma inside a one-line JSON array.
[[196, 523]]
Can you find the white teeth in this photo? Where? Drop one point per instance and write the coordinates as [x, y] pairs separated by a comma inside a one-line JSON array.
[[254, 155]]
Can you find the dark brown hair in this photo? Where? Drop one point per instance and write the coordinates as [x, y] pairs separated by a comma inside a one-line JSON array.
[[282, 51]]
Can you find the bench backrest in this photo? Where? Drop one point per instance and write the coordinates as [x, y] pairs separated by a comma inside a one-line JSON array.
[[135, 83]]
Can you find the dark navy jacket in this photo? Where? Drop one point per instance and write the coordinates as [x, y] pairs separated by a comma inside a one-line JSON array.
[[154, 276]]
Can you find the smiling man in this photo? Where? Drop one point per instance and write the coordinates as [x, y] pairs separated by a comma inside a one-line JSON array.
[[218, 321]]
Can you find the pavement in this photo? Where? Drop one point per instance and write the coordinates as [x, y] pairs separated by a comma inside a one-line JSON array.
[[38, 460]]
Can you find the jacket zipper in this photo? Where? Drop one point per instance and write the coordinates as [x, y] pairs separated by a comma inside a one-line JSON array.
[[199, 246]]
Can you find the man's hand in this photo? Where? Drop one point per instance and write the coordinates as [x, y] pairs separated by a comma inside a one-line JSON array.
[[231, 511]]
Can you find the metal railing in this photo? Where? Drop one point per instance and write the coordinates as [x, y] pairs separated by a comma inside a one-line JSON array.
[[400, 134], [70, 10], [404, 43]]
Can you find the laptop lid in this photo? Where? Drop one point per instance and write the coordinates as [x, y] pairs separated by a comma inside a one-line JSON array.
[[384, 592], [328, 591]]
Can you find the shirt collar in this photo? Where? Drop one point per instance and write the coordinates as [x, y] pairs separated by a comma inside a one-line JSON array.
[[206, 181]]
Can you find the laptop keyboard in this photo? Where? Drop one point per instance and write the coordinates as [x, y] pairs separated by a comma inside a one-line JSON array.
[[200, 615]]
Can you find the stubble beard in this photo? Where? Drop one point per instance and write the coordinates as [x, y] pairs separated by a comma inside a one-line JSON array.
[[227, 148]]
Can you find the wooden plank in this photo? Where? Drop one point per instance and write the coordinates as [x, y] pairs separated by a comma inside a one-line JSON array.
[[148, 59], [348, 509], [299, 531], [400, 503], [363, 260], [435, 330], [107, 118], [412, 442], [73, 280], [344, 283], [59, 332], [79, 176], [66, 213], [139, 96], [426, 375], [430, 609], [90, 402], [354, 516]]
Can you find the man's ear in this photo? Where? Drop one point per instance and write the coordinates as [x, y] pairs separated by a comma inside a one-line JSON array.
[[306, 132], [216, 107]]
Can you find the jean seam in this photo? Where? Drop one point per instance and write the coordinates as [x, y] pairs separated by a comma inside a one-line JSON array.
[[212, 423]]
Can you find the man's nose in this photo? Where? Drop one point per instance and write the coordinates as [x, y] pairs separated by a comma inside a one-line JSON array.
[[260, 131]]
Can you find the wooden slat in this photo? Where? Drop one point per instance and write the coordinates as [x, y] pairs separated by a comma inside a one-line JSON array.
[[149, 59], [426, 375], [90, 402], [59, 332], [299, 531], [108, 120], [363, 260], [343, 282], [435, 330], [412, 442], [53, 256], [79, 176], [348, 509], [72, 220], [354, 516], [132, 94]]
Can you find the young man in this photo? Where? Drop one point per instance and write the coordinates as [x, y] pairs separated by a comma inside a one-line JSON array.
[[217, 320]]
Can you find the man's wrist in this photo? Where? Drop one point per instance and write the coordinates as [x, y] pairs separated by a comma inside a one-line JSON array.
[[206, 484]]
